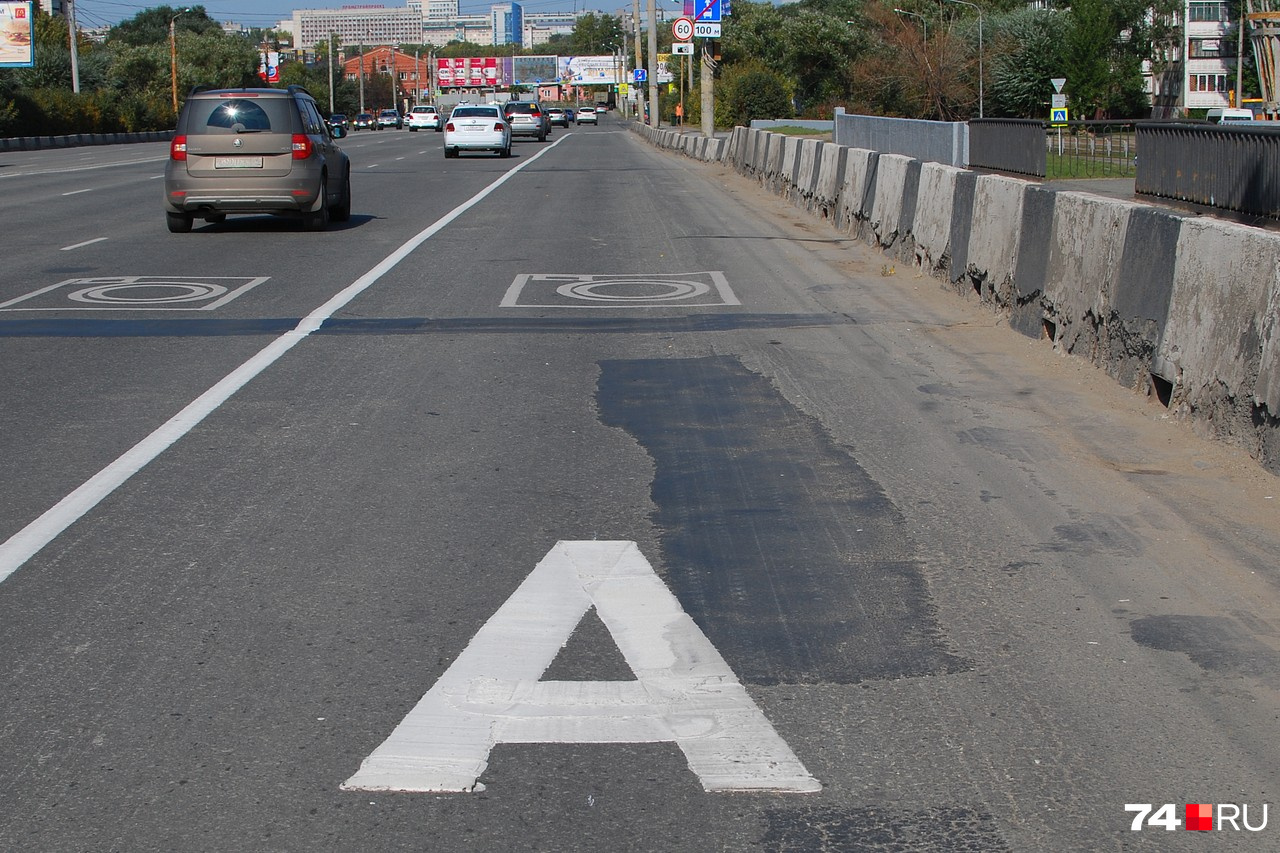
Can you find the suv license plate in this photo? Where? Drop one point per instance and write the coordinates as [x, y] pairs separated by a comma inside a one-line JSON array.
[[237, 162]]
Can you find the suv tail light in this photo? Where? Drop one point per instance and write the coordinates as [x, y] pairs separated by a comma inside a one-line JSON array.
[[301, 146], [178, 148]]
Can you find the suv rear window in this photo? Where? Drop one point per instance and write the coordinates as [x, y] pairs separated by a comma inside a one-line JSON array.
[[239, 115], [531, 109]]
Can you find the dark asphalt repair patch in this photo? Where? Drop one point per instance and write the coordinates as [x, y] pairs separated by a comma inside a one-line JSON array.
[[778, 544], [878, 830], [1214, 643]]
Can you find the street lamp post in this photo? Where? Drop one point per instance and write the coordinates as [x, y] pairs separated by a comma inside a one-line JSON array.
[[173, 56], [978, 9]]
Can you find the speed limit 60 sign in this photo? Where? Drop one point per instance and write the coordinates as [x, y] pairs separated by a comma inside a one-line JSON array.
[[682, 29]]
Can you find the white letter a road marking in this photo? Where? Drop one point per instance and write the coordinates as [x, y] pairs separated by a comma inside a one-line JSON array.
[[684, 691]]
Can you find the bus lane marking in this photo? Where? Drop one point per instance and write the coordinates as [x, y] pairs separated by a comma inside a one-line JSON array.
[[684, 692]]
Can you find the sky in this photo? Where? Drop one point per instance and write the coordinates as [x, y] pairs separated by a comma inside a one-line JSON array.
[[265, 13]]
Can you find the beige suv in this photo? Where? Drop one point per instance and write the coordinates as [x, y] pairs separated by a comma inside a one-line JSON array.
[[255, 151]]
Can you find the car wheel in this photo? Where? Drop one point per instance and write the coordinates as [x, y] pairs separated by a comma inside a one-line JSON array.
[[505, 152], [341, 212], [450, 153], [413, 130], [179, 223], [542, 137], [319, 219]]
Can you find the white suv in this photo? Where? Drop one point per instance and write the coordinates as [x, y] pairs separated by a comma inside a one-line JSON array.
[[425, 117]]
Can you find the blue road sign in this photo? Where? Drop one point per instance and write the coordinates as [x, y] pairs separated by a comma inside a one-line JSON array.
[[641, 75], [708, 12]]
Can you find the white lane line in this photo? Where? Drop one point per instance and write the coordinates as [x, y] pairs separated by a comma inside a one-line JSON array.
[[28, 541], [372, 166], [77, 192], [79, 245], [684, 691], [84, 168]]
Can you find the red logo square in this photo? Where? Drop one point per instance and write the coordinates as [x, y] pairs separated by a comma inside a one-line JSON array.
[[1200, 816]]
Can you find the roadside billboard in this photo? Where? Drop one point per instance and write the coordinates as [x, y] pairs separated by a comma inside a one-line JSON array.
[[590, 70], [467, 72], [16, 35]]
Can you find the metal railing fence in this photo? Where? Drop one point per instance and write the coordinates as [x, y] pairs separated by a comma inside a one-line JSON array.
[[1233, 167]]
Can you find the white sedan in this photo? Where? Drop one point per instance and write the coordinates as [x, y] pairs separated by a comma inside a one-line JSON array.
[[477, 127], [424, 117]]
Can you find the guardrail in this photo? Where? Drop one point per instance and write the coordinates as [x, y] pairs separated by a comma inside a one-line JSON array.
[[74, 140], [1232, 167]]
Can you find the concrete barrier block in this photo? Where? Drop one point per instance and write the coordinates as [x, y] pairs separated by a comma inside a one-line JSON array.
[[717, 150], [807, 169], [773, 162], [996, 218], [931, 226], [1143, 288], [1219, 342], [1025, 300], [962, 223], [826, 192], [786, 178], [886, 207], [1085, 248], [907, 218], [856, 192]]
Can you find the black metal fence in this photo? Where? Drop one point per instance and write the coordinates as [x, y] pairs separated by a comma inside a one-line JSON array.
[[1008, 145], [1233, 167], [1078, 149]]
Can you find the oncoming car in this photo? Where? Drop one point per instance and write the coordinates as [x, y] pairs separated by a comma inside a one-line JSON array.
[[365, 121], [390, 118], [477, 127], [255, 151], [425, 117]]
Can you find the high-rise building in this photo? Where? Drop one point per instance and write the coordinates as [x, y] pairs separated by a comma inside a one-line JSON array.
[[508, 24], [358, 25]]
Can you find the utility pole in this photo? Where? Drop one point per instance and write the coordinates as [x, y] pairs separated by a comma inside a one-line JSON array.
[[329, 42], [635, 22], [361, 49], [653, 63], [708, 90], [75, 55]]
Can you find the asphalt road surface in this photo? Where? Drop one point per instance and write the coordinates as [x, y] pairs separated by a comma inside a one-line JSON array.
[[591, 500]]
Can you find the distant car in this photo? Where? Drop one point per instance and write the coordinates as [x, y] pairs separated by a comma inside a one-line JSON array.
[[477, 127], [255, 151], [527, 118], [555, 116], [339, 120], [425, 117], [390, 118], [569, 113], [365, 121], [587, 115]]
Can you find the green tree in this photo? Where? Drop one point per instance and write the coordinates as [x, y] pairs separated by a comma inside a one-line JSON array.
[[593, 35], [750, 91], [151, 26]]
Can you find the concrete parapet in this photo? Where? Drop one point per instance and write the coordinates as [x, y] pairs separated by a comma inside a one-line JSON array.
[[933, 218], [826, 193], [995, 232], [1219, 348], [807, 172], [786, 177], [857, 189], [1143, 288], [1085, 248], [887, 204]]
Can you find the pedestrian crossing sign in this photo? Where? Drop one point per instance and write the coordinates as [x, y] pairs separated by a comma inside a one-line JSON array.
[[1058, 117]]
